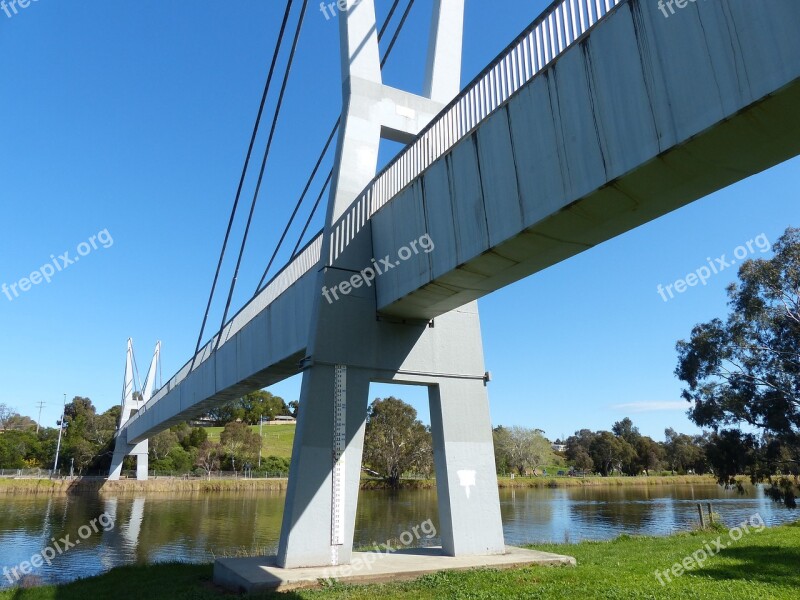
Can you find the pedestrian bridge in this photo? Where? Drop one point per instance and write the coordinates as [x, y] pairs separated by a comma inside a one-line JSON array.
[[601, 116]]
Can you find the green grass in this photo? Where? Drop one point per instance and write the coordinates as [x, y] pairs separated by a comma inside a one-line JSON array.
[[761, 566], [597, 480], [26, 484], [278, 439]]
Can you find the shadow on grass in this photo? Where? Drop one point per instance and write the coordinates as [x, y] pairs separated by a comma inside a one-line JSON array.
[[173, 581], [764, 564]]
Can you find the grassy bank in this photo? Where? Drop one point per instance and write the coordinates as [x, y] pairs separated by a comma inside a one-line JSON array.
[[277, 441], [557, 482], [160, 486], [762, 564], [154, 486]]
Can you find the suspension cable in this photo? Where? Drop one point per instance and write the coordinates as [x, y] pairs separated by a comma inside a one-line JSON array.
[[381, 33], [313, 212], [335, 128], [385, 26], [397, 33], [263, 166], [244, 173], [297, 206]]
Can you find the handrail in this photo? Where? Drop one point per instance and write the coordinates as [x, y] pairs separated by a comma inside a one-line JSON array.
[[562, 24], [305, 260]]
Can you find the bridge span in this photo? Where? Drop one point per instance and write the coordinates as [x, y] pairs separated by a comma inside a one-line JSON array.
[[603, 115]]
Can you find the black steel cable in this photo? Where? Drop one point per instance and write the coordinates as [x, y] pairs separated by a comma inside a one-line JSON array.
[[244, 173], [263, 165], [385, 26], [383, 63], [397, 33], [297, 206], [313, 212]]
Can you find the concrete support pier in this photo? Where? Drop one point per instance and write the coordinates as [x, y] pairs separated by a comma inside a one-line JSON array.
[[351, 346]]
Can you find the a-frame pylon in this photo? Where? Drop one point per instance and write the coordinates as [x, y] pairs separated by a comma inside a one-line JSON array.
[[132, 403]]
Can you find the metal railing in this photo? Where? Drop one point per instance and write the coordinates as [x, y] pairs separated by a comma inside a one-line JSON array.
[[306, 260], [558, 28]]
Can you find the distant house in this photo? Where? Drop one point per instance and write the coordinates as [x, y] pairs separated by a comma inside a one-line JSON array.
[[283, 420], [559, 447]]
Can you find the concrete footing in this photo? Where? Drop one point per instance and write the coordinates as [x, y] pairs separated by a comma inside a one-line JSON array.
[[259, 574]]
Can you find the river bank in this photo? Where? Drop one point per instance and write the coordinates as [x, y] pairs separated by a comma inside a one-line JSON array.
[[758, 563], [558, 482], [209, 486], [128, 486]]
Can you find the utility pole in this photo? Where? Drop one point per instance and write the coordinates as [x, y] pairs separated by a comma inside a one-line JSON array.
[[39, 420], [261, 438], [60, 431]]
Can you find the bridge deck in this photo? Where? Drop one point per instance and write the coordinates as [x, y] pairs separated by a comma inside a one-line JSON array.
[[590, 124]]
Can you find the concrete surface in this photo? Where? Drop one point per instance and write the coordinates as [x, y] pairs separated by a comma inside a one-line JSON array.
[[258, 574]]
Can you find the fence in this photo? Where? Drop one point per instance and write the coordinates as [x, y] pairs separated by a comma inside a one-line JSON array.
[[196, 474]]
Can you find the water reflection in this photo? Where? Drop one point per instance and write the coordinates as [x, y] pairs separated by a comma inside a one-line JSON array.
[[195, 527], [574, 514]]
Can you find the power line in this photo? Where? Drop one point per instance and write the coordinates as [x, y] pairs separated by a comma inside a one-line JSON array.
[[244, 171]]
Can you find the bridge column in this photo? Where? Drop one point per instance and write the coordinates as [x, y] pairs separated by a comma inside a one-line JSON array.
[[447, 357], [466, 477], [351, 345], [140, 451], [308, 532]]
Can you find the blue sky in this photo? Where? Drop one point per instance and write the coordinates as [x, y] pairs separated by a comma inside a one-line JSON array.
[[133, 118]]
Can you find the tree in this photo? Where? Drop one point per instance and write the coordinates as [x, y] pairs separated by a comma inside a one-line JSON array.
[[625, 430], [240, 443], [579, 449], [19, 449], [197, 436], [582, 460], [161, 444], [293, 406], [17, 422], [649, 454], [500, 436], [395, 441], [261, 403], [249, 409], [208, 457], [680, 451], [522, 449], [276, 464], [5, 413], [226, 413], [630, 435], [745, 372], [88, 437], [609, 452]]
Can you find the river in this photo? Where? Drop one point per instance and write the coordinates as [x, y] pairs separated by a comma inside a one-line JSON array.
[[198, 527]]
